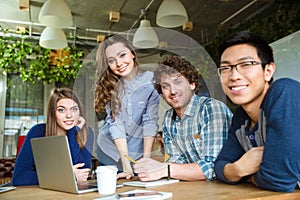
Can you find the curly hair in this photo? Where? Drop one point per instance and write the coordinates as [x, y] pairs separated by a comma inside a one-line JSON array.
[[51, 125], [108, 85], [177, 65]]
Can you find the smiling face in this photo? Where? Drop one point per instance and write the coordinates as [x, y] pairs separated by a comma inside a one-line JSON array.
[[67, 115], [176, 91], [121, 60], [248, 89]]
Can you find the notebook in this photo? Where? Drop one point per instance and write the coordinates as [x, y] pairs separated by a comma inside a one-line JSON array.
[[53, 164], [147, 184]]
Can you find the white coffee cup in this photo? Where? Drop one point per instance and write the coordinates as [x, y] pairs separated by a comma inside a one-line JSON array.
[[106, 179]]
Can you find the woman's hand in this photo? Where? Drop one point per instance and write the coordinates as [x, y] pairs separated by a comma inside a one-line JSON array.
[[80, 122], [127, 175], [121, 145], [81, 174], [127, 170]]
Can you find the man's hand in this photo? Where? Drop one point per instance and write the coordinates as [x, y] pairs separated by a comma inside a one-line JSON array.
[[248, 164], [149, 169]]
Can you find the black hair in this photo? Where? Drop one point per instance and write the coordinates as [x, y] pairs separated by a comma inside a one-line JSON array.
[[264, 50]]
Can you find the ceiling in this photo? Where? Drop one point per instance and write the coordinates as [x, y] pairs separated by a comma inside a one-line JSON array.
[[91, 17]]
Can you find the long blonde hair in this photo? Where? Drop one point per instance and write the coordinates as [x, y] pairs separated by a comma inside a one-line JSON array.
[[108, 85], [51, 125]]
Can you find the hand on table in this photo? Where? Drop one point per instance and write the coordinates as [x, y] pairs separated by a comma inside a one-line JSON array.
[[127, 175], [149, 169]]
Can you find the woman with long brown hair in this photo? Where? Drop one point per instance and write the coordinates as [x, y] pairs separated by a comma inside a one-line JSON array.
[[65, 117], [126, 94]]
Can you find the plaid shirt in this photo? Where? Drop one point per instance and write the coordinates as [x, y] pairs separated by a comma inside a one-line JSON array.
[[199, 135]]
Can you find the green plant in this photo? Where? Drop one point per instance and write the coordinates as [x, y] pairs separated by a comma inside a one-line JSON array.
[[26, 58]]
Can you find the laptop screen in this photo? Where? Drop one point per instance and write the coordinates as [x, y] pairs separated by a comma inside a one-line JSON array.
[[54, 164]]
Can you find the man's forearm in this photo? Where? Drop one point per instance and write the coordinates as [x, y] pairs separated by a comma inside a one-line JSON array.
[[188, 172]]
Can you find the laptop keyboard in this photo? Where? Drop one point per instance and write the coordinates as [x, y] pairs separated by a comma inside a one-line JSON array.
[[86, 185]]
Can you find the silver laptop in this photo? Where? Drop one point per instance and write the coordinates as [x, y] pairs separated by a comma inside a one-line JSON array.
[[53, 164]]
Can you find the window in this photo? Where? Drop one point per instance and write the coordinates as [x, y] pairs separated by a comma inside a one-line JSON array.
[[24, 104]]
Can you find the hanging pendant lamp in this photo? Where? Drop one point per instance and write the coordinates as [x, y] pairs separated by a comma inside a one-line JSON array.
[[171, 14], [145, 37], [56, 14], [53, 38]]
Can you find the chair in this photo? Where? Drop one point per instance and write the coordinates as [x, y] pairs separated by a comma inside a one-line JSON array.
[[6, 169], [21, 139]]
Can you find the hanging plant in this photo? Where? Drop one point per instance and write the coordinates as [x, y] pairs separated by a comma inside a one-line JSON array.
[[33, 63]]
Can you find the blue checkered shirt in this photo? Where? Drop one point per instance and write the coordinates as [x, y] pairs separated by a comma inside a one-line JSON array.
[[199, 135]]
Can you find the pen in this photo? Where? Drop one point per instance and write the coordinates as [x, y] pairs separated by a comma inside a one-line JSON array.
[[130, 159]]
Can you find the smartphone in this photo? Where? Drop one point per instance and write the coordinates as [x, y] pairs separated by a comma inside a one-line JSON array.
[[139, 195]]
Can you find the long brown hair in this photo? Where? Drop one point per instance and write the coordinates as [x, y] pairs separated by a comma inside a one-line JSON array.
[[51, 125], [108, 85]]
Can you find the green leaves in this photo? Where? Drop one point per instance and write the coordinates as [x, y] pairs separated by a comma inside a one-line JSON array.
[[32, 62]]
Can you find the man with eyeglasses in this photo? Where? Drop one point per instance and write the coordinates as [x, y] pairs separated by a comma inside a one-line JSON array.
[[263, 140]]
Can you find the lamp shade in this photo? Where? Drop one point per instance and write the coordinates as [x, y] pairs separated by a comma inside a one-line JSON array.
[[52, 38], [56, 14], [145, 37], [171, 14]]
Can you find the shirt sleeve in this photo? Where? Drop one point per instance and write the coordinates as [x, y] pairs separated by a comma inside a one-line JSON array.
[[24, 170], [150, 117], [116, 127], [83, 155], [216, 118], [230, 153], [170, 149], [117, 130]]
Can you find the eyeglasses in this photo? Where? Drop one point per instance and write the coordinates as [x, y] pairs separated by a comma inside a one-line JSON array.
[[242, 68]]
